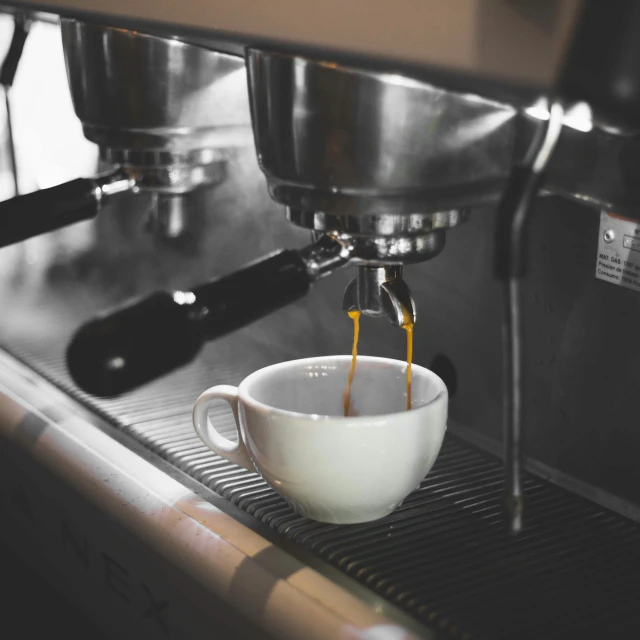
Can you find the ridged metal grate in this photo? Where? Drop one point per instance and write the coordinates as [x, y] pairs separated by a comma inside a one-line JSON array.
[[444, 556]]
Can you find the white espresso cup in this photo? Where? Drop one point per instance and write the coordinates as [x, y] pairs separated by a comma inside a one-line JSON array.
[[332, 468]]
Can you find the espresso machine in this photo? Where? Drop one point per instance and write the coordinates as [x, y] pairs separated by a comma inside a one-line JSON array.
[[519, 151]]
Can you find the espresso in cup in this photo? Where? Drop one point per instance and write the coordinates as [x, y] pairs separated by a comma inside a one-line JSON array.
[[330, 467]]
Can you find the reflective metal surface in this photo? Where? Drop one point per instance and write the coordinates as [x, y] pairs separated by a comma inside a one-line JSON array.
[[349, 142], [384, 250], [113, 184], [343, 147], [169, 172], [598, 169], [385, 224], [386, 239], [511, 243], [163, 109], [328, 253], [381, 292], [167, 215]]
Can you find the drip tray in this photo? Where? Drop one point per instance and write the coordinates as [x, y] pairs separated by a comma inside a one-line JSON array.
[[444, 556]]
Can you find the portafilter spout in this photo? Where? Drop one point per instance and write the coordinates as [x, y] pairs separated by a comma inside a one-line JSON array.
[[381, 292]]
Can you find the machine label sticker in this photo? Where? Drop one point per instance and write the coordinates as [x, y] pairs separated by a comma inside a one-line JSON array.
[[619, 251]]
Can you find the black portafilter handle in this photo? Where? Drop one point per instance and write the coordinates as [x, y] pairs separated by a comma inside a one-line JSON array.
[[33, 214], [149, 338]]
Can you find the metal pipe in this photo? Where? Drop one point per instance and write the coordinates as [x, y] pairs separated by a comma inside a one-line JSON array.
[[511, 245]]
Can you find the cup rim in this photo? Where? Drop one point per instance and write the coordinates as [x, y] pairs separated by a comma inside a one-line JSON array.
[[248, 399]]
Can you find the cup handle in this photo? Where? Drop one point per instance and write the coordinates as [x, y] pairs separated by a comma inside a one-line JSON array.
[[232, 451]]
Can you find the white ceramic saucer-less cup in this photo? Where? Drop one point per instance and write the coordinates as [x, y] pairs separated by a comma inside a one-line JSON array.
[[329, 467]]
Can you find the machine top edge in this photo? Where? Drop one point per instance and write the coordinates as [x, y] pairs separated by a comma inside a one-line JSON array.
[[493, 49]]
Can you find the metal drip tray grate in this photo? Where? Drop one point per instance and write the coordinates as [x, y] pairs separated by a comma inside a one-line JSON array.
[[444, 556]]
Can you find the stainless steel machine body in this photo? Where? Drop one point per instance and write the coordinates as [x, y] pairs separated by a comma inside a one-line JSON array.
[[387, 160], [356, 143], [384, 163], [158, 107]]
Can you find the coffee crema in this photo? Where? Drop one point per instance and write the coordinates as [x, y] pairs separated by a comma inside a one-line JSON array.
[[407, 326]]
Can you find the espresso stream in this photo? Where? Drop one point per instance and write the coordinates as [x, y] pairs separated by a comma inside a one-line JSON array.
[[407, 326], [346, 396]]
